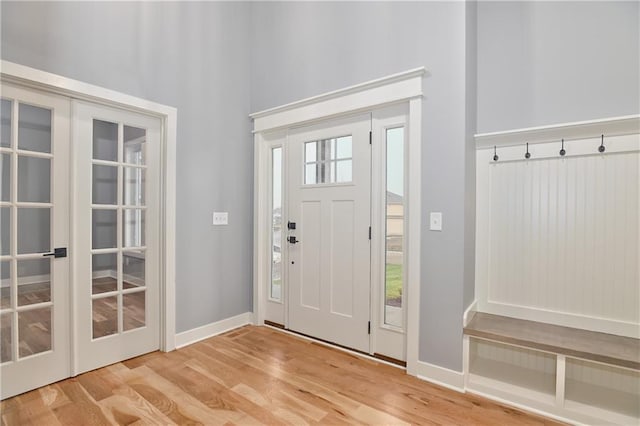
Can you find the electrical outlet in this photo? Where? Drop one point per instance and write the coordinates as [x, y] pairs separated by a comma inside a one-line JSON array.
[[220, 218]]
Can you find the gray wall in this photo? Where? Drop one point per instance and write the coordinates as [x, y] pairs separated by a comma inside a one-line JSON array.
[[303, 49], [552, 62], [194, 56]]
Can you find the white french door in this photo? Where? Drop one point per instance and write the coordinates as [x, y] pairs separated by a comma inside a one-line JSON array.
[[34, 224], [329, 191], [117, 217]]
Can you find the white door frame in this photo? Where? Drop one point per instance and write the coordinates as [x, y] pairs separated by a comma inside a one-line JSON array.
[[48, 82], [396, 88]]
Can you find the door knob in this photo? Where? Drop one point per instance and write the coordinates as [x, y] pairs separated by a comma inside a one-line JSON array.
[[292, 239], [57, 252]]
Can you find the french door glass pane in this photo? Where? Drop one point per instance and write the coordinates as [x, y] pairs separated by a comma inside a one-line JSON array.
[[133, 310], [104, 226], [5, 231], [6, 348], [34, 281], [133, 265], [104, 184], [34, 331], [34, 230], [5, 122], [34, 179], [394, 274], [5, 287], [134, 145], [133, 186], [133, 228], [276, 225], [104, 269], [105, 316], [34, 128], [105, 140], [5, 175]]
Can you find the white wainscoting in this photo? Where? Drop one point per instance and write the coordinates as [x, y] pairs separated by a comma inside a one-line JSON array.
[[558, 237]]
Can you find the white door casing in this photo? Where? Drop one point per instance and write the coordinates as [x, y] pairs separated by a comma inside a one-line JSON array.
[[136, 222], [329, 267], [271, 127], [38, 337]]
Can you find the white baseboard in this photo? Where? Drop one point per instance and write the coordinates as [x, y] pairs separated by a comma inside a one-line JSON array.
[[471, 308], [450, 379], [204, 332]]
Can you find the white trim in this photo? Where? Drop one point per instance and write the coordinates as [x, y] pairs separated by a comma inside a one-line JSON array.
[[614, 126], [31, 77], [466, 317], [362, 97], [197, 334], [402, 87], [441, 376]]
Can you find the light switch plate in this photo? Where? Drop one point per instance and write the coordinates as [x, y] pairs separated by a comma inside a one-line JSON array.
[[220, 218], [435, 221]]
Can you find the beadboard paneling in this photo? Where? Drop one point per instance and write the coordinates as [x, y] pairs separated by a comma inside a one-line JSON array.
[[559, 237]]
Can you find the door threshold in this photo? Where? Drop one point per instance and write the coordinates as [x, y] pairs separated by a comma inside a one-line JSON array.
[[375, 357]]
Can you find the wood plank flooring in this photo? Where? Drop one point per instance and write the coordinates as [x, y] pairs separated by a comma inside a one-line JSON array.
[[253, 375]]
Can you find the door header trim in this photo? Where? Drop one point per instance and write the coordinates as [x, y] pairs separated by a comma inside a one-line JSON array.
[[364, 96]]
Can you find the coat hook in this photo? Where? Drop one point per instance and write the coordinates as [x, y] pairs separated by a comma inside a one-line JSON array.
[[495, 154], [601, 148], [528, 154], [562, 151]]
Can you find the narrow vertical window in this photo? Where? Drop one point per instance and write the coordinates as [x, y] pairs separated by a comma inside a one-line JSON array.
[[276, 224], [394, 238]]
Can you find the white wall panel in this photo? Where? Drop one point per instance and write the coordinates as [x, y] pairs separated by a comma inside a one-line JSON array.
[[559, 237]]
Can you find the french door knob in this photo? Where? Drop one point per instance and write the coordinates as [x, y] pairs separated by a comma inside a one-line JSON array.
[[57, 252]]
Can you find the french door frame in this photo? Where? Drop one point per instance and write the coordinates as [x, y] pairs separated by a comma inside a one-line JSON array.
[[30, 77], [269, 125]]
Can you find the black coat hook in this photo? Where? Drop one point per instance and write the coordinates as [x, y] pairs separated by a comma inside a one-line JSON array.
[[528, 154], [601, 148], [562, 151], [495, 154]]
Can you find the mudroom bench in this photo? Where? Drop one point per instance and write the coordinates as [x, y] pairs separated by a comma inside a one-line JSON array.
[[573, 374]]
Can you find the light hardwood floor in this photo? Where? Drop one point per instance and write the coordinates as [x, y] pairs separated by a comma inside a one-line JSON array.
[[253, 375]]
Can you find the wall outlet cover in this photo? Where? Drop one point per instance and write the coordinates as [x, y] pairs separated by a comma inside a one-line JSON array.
[[435, 221]]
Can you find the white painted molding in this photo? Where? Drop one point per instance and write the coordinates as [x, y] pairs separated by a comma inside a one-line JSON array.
[[391, 90], [53, 83], [471, 308], [441, 376], [614, 126], [213, 329], [372, 94]]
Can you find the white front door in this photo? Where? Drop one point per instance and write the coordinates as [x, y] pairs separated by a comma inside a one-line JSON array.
[[34, 220], [117, 218], [329, 189]]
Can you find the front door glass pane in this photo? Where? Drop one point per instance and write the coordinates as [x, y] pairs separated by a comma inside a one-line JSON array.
[[34, 179], [394, 251], [276, 225], [34, 128], [34, 230], [34, 331], [328, 161]]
